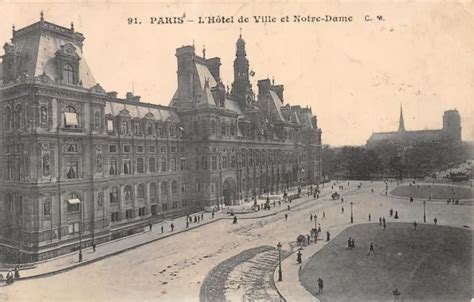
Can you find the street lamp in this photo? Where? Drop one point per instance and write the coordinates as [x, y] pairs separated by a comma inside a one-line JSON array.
[[280, 276], [352, 214], [424, 212], [80, 246]]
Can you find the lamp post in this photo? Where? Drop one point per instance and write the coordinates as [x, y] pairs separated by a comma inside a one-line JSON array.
[[280, 276], [352, 214], [424, 211], [80, 246]]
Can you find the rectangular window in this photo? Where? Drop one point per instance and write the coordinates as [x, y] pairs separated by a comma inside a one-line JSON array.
[[224, 162], [110, 125], [142, 211], [126, 148], [126, 166], [112, 148], [204, 163], [129, 214], [173, 164], [72, 170], [140, 166], [164, 206], [214, 163], [175, 204], [114, 217], [152, 164], [232, 161], [151, 149], [140, 149], [73, 205], [182, 164], [73, 228], [173, 149], [197, 164], [113, 167], [163, 149]]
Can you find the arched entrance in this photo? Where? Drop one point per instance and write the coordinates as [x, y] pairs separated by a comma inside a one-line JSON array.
[[229, 191]]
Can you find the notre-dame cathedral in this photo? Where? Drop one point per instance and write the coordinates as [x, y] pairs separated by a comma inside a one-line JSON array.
[[79, 163]]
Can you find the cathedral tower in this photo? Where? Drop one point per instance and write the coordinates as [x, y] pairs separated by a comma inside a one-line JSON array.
[[241, 87]]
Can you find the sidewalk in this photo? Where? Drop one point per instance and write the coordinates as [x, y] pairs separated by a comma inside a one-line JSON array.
[[110, 248]]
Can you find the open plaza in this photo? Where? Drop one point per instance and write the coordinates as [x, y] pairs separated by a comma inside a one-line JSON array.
[[433, 261]]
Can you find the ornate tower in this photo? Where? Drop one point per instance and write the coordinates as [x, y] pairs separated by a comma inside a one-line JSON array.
[[241, 87], [401, 125]]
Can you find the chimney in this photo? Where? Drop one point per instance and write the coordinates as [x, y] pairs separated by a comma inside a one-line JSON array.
[[263, 87], [112, 94], [185, 56], [214, 67], [132, 98]]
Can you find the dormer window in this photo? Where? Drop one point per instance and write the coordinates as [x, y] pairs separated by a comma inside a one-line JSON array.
[[68, 74]]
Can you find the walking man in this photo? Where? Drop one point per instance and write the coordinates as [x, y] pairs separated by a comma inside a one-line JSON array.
[[349, 242], [161, 229], [353, 243], [320, 285], [380, 221], [342, 210], [369, 217], [289, 207], [384, 225], [151, 226], [212, 215], [324, 215], [371, 249], [311, 217], [415, 225], [308, 238], [172, 227], [187, 224], [286, 217], [328, 236], [435, 221]]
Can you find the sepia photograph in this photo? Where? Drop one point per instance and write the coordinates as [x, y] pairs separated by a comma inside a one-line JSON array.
[[236, 151]]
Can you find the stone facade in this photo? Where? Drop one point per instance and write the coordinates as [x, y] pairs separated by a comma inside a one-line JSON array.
[[80, 164]]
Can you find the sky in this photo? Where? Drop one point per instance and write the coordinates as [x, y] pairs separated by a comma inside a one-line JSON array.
[[354, 75]]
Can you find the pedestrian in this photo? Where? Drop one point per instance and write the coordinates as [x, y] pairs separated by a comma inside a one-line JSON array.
[[349, 243], [172, 227], [353, 245], [161, 229], [320, 285], [342, 210], [435, 221], [369, 217], [308, 238], [391, 212], [93, 245], [342, 199], [371, 249], [151, 226], [383, 220], [202, 216], [17, 272], [328, 236], [380, 221], [315, 217], [324, 215], [286, 217], [289, 207], [396, 215], [195, 219], [311, 217], [317, 196], [415, 224], [319, 228], [384, 225], [212, 215]]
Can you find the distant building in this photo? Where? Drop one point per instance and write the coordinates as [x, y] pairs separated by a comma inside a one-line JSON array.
[[419, 153], [450, 133], [79, 164]]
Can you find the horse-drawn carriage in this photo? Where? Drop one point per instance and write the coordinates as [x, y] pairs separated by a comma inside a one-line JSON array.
[[335, 196]]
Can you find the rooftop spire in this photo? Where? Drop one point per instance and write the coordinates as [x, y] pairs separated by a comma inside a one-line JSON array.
[[401, 125], [41, 16]]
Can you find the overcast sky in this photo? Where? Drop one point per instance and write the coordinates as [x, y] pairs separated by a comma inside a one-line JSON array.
[[354, 75]]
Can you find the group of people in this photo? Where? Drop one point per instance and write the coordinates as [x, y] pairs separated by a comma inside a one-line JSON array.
[[12, 275], [391, 214]]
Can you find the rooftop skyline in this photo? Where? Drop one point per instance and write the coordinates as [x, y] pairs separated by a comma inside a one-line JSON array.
[[353, 76]]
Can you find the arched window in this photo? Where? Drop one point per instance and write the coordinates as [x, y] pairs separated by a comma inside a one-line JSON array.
[[70, 117], [164, 188], [8, 118], [127, 192], [68, 74], [174, 187], [113, 195], [43, 116], [213, 127], [141, 191], [18, 118], [152, 189], [164, 167]]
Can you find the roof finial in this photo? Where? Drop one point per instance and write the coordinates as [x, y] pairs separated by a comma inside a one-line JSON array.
[[72, 26], [193, 43], [13, 28], [41, 16], [401, 122], [240, 32], [273, 80], [204, 52]]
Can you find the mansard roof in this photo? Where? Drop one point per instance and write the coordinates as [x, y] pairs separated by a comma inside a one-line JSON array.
[[37, 45], [141, 110]]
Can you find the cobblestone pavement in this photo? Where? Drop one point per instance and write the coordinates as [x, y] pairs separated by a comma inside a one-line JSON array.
[[246, 276]]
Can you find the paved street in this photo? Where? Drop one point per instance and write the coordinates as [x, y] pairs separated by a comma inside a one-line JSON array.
[[174, 268]]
